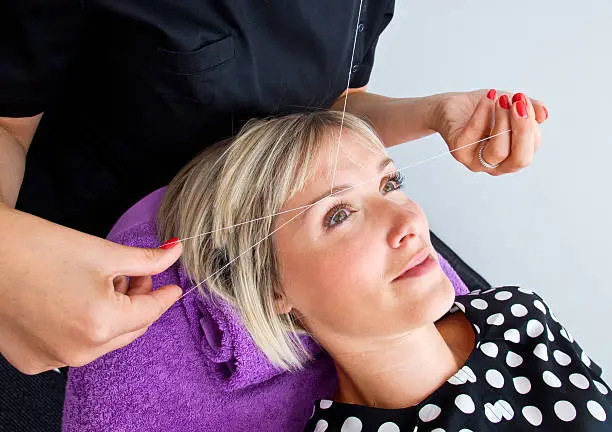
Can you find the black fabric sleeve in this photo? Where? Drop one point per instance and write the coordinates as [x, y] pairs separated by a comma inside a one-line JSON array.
[[38, 40], [362, 76]]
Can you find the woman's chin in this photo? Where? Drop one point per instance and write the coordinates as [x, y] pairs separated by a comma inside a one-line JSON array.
[[435, 293]]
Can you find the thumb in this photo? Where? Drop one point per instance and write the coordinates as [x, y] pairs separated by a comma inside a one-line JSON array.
[[133, 261], [143, 309]]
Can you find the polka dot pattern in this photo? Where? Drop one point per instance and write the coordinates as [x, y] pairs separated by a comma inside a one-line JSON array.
[[518, 310], [325, 404], [522, 384], [602, 388], [489, 349], [566, 335], [429, 412], [351, 424], [525, 372], [534, 328], [579, 380], [389, 427], [562, 358], [538, 304], [551, 379], [585, 359], [541, 352], [533, 415], [494, 378], [596, 410], [496, 319], [479, 304], [465, 403], [503, 295], [512, 335], [513, 360], [565, 411], [321, 426]]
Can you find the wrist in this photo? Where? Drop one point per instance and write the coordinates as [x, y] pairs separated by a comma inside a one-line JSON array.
[[434, 113]]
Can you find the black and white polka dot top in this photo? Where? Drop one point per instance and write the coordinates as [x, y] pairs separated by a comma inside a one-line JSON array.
[[526, 373]]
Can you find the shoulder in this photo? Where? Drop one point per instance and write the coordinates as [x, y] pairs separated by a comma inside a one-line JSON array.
[[515, 301], [502, 312]]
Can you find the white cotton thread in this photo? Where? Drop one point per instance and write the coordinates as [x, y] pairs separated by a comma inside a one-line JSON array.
[[348, 84], [251, 247], [306, 206]]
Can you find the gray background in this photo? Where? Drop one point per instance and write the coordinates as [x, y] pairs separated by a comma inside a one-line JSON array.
[[547, 227]]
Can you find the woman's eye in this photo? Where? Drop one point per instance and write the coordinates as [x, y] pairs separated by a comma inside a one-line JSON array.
[[390, 186], [338, 217]]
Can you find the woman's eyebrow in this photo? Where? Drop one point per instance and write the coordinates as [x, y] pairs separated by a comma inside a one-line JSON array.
[[341, 189]]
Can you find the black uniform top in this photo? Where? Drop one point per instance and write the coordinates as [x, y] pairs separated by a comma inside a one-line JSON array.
[[133, 89], [526, 373]]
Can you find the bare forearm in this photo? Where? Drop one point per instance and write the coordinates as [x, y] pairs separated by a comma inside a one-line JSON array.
[[396, 120], [12, 167]]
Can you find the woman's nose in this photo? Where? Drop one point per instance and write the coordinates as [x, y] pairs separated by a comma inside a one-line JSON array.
[[406, 226]]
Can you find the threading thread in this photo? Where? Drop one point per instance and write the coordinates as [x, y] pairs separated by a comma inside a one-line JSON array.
[[346, 93], [306, 207]]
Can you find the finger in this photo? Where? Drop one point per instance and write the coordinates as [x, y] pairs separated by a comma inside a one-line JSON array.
[[120, 283], [522, 147], [119, 342], [541, 112], [528, 103], [497, 149], [141, 310], [140, 285], [134, 261], [536, 127], [532, 110], [478, 126]]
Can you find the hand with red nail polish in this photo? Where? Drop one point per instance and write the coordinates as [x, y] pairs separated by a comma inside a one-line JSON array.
[[503, 102], [74, 302], [170, 243], [465, 118], [521, 109]]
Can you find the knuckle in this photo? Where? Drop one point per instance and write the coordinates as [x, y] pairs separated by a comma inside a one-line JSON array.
[[523, 163], [96, 331], [499, 153], [150, 255], [78, 359]]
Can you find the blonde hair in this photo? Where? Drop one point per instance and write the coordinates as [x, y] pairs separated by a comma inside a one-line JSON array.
[[236, 181]]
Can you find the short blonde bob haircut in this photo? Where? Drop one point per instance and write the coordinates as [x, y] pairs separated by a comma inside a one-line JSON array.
[[247, 178]]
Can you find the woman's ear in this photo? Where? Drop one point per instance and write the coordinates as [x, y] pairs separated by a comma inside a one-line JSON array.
[[282, 304]]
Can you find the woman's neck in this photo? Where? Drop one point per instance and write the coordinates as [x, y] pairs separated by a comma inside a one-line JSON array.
[[403, 371]]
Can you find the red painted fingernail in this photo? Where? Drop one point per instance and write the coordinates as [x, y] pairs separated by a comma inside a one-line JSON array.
[[545, 112], [521, 109], [491, 94], [518, 97], [503, 102], [170, 243]]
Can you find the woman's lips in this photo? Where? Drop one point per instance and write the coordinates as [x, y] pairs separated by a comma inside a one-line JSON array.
[[421, 264]]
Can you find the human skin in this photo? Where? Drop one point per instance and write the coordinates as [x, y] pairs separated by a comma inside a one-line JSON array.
[[386, 338]]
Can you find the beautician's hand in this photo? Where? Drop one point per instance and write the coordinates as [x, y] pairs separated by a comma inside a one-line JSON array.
[[463, 118], [62, 298]]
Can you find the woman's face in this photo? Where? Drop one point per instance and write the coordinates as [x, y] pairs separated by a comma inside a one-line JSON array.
[[339, 261]]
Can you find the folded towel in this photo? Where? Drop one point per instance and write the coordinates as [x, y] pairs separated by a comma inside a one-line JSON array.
[[196, 368], [215, 324], [225, 341]]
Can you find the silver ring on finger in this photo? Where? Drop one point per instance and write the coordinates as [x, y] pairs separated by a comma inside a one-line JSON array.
[[483, 162]]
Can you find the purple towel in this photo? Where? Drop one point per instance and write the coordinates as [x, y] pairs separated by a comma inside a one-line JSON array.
[[196, 368]]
